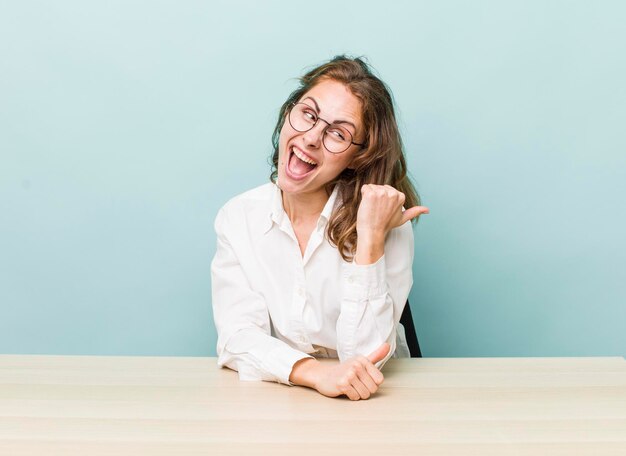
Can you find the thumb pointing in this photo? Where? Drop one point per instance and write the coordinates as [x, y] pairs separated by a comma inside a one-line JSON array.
[[379, 354], [413, 212]]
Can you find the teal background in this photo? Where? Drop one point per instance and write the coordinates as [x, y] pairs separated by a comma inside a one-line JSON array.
[[124, 126]]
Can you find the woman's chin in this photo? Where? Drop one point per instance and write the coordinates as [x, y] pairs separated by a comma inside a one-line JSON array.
[[286, 185], [289, 183]]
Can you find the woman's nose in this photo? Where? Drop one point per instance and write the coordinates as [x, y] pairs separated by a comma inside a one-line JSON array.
[[314, 136]]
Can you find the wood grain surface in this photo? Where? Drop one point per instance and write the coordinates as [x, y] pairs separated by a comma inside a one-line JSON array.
[[66, 405]]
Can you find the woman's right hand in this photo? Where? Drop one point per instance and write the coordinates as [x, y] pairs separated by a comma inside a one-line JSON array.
[[358, 378]]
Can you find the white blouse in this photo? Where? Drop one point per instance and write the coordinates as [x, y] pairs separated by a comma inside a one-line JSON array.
[[273, 307]]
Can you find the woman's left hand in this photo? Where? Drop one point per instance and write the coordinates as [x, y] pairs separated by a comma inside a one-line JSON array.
[[380, 211]]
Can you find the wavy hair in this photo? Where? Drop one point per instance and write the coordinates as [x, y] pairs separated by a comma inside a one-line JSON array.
[[381, 161]]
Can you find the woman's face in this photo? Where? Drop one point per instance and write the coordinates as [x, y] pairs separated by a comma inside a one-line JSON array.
[[333, 102]]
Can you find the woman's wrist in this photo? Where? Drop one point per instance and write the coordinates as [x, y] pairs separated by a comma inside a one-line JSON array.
[[305, 372], [369, 248]]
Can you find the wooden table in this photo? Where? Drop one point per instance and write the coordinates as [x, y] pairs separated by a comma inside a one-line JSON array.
[[90, 406]]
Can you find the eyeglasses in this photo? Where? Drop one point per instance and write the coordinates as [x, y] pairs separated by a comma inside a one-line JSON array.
[[336, 139]]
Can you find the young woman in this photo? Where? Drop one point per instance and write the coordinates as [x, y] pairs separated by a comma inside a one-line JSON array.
[[317, 262]]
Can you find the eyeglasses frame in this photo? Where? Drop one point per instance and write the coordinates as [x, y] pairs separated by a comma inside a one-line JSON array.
[[328, 124]]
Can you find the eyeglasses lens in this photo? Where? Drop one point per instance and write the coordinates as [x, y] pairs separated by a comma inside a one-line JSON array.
[[336, 138]]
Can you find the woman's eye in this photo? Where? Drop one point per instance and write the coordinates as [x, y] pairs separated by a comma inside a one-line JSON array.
[[309, 115], [339, 134]]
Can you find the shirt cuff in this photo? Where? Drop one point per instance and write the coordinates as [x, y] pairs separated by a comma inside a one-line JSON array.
[[361, 282], [280, 362]]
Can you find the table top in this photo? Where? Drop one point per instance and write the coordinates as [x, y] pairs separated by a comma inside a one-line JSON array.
[[88, 405]]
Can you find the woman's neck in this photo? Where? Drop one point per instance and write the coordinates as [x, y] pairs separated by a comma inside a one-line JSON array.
[[304, 207]]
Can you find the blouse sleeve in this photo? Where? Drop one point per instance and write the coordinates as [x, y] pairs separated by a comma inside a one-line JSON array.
[[244, 343], [373, 297]]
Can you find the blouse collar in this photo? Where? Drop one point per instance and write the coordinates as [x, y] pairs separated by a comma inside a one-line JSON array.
[[277, 211]]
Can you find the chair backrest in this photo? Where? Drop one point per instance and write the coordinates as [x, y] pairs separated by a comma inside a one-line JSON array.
[[409, 329]]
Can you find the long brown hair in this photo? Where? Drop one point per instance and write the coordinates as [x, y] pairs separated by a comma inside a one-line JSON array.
[[381, 161]]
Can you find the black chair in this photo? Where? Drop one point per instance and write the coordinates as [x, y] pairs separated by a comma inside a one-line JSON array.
[[409, 329]]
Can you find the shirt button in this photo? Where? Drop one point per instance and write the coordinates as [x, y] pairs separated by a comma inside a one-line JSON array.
[[301, 291], [350, 279]]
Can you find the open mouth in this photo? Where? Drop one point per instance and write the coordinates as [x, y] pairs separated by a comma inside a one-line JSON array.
[[299, 165]]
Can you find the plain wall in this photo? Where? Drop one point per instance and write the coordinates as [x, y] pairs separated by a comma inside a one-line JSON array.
[[124, 126]]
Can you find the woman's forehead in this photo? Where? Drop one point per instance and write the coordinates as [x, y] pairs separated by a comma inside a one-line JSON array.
[[335, 102]]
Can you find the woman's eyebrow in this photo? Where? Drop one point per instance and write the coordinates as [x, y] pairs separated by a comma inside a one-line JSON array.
[[317, 107]]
